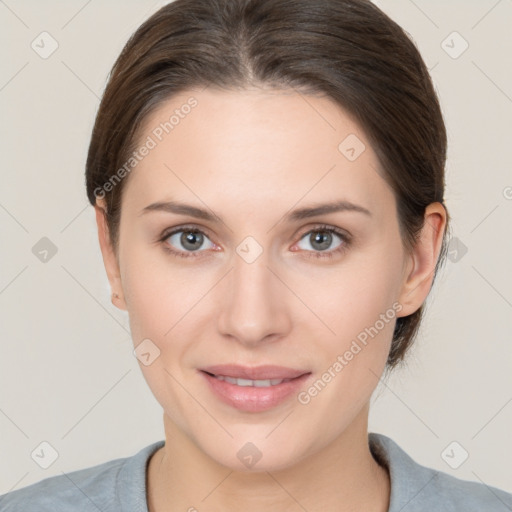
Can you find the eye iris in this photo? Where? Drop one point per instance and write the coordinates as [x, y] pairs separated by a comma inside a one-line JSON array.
[[323, 238], [190, 237]]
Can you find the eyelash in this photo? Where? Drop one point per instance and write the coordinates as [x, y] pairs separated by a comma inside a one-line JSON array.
[[346, 239]]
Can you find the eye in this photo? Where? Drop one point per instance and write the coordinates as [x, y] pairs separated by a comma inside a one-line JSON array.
[[185, 241], [321, 239], [192, 242]]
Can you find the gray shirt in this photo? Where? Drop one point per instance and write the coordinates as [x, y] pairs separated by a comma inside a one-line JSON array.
[[120, 486]]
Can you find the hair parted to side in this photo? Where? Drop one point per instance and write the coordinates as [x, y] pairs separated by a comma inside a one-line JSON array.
[[346, 50]]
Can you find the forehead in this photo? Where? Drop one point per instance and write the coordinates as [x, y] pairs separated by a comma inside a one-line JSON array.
[[259, 148]]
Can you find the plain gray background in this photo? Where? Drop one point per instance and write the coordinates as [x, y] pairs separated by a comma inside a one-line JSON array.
[[68, 374]]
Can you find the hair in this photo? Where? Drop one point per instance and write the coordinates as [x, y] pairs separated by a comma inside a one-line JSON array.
[[346, 50]]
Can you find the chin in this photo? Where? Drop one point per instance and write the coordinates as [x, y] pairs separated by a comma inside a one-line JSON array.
[[254, 451]]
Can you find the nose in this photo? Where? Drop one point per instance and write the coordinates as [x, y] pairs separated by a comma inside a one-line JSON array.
[[253, 306]]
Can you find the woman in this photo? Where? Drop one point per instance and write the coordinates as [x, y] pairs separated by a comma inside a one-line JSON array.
[[268, 182]]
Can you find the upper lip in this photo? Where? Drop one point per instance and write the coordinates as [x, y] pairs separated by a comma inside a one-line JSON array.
[[263, 372]]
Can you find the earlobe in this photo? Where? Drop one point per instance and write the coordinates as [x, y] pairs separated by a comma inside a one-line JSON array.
[[109, 256], [419, 273]]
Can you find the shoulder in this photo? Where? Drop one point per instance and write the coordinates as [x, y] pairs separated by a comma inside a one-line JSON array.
[[86, 489], [417, 488], [102, 487]]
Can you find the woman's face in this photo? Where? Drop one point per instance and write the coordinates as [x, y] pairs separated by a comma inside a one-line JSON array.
[[263, 281]]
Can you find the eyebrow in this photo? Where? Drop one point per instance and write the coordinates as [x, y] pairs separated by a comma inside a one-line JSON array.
[[295, 215]]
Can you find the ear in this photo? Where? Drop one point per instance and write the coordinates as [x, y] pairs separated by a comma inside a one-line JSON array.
[[109, 256], [420, 267]]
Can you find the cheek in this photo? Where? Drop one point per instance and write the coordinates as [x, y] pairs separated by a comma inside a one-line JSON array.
[[361, 309], [158, 292], [357, 301], [354, 296], [160, 302]]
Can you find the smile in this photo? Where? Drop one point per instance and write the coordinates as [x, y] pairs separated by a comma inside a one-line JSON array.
[[247, 382], [255, 389]]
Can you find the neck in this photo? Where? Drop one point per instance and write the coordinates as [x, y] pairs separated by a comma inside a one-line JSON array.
[[342, 477]]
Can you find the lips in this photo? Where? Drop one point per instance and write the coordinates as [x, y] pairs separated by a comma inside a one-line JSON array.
[[258, 383], [265, 372], [254, 389]]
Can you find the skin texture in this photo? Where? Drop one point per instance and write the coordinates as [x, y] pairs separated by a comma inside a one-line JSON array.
[[251, 157]]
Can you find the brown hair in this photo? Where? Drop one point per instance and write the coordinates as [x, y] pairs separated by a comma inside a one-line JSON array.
[[347, 50]]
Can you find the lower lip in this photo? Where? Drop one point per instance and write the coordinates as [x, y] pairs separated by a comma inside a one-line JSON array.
[[251, 398]]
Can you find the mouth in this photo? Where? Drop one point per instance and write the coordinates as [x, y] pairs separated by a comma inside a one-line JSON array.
[[253, 389], [254, 373], [263, 383]]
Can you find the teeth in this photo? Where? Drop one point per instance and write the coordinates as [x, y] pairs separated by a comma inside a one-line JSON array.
[[256, 383]]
